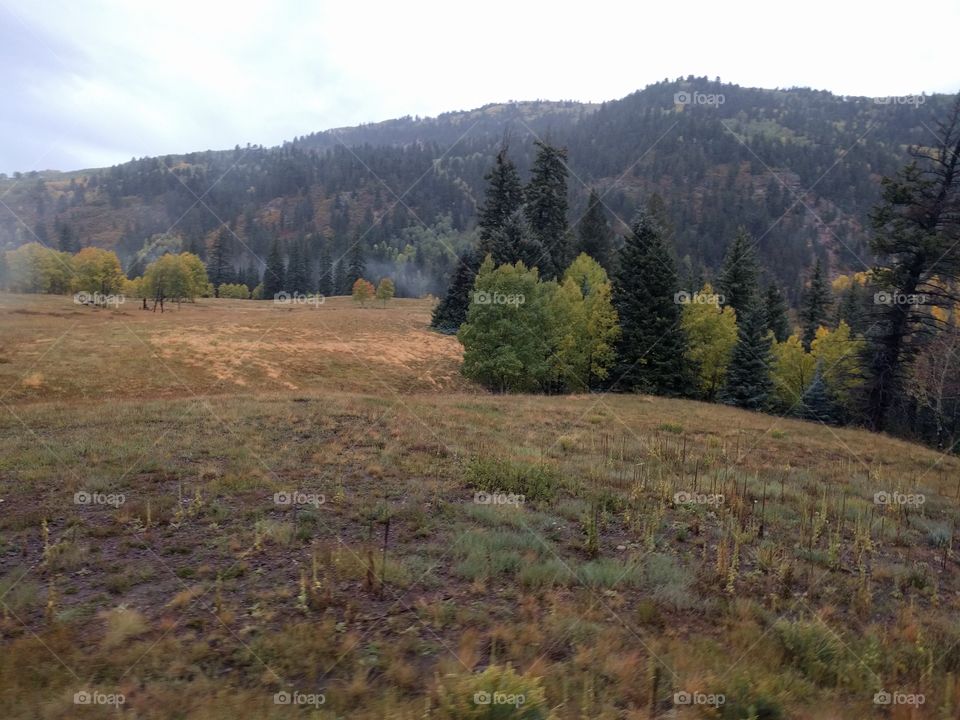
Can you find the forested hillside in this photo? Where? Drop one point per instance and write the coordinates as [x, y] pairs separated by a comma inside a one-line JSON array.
[[799, 169]]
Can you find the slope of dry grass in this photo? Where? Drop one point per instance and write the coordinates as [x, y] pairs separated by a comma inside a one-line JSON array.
[[179, 582]]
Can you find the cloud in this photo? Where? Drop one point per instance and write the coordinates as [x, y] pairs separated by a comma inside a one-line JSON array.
[[97, 83]]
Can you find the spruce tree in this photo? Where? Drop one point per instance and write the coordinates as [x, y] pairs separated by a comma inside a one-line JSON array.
[[546, 208], [451, 312], [325, 272], [851, 308], [748, 376], [775, 309], [595, 238], [275, 275], [298, 272], [738, 276], [357, 265], [340, 285], [504, 197], [815, 306], [652, 344], [816, 403], [67, 241], [219, 268]]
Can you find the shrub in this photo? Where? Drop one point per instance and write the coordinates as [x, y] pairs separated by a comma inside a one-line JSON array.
[[234, 291], [494, 475], [497, 692]]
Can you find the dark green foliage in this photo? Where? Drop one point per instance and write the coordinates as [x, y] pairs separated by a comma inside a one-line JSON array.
[[546, 208], [4, 270], [815, 307], [451, 312], [595, 238], [298, 271], [748, 376], [916, 233], [325, 272], [738, 276], [67, 239], [853, 308], [340, 286], [357, 264], [816, 403], [275, 275], [504, 197], [652, 345], [775, 310], [495, 475], [219, 264]]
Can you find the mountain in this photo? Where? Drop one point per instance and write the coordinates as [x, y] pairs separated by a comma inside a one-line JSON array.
[[799, 168]]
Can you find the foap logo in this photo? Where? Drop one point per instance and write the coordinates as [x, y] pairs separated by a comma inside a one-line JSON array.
[[698, 698], [94, 697], [692, 97], [98, 298], [883, 697], [482, 297], [296, 497], [898, 498], [691, 498], [483, 697], [298, 698], [685, 298], [498, 498], [84, 497], [899, 298], [915, 100], [285, 298]]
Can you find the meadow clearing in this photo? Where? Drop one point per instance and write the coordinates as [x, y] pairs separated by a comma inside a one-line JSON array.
[[238, 509]]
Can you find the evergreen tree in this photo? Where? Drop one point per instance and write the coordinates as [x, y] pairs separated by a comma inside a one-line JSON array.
[[851, 308], [66, 240], [738, 276], [4, 270], [748, 376], [451, 312], [340, 285], [325, 272], [298, 272], [815, 306], [219, 268], [775, 308], [816, 403], [594, 233], [652, 346], [504, 197], [275, 275], [546, 208], [357, 265], [914, 241]]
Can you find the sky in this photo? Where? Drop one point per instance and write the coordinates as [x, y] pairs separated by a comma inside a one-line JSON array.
[[91, 83]]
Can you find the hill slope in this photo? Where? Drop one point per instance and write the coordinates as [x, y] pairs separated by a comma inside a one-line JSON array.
[[800, 168], [661, 547]]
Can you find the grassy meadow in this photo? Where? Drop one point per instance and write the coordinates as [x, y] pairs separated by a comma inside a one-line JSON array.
[[237, 509]]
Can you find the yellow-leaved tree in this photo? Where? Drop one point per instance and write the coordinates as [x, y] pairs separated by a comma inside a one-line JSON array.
[[711, 334]]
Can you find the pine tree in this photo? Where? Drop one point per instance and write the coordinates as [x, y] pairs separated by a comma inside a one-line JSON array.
[[652, 346], [594, 233], [815, 306], [219, 268], [546, 208], [851, 308], [325, 272], [451, 312], [275, 275], [357, 265], [748, 375], [738, 276], [340, 286], [775, 309], [504, 197]]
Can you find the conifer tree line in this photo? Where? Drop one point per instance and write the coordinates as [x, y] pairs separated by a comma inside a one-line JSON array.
[[879, 348]]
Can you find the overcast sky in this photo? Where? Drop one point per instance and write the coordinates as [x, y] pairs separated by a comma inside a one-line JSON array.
[[95, 83]]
